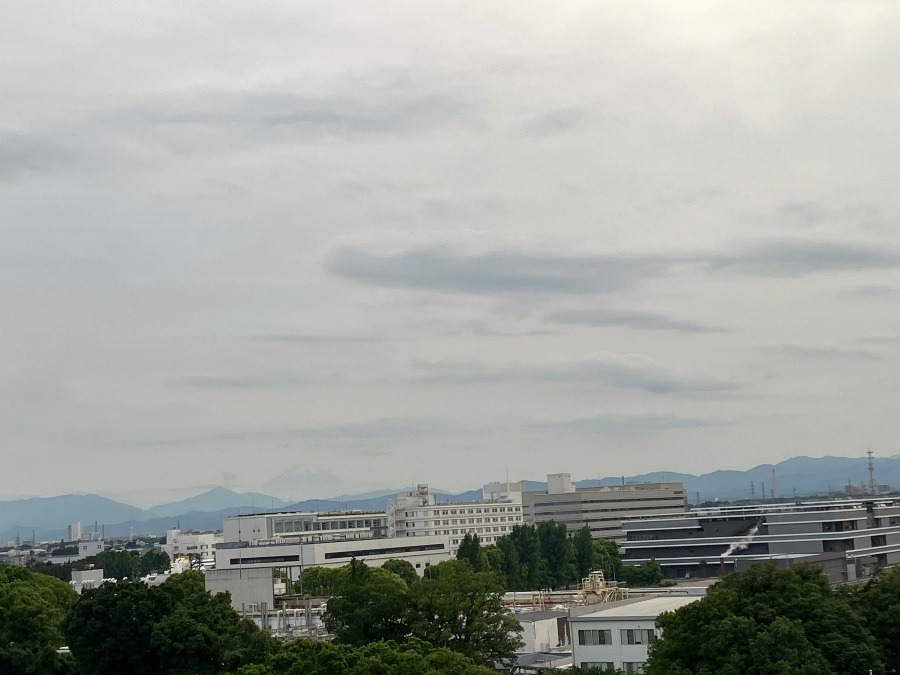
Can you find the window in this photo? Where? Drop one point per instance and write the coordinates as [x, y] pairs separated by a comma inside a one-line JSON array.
[[595, 637], [599, 665], [638, 636], [634, 666]]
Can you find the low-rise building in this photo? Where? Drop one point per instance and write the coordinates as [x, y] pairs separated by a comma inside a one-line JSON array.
[[618, 635], [193, 544]]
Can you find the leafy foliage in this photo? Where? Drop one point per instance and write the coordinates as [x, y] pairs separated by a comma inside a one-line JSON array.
[[463, 610], [767, 620], [177, 627], [304, 657], [372, 606], [32, 610], [403, 569]]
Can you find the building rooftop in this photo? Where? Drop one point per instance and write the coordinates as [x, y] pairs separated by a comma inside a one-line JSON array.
[[640, 608]]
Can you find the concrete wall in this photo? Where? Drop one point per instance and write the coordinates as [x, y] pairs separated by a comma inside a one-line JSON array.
[[247, 587]]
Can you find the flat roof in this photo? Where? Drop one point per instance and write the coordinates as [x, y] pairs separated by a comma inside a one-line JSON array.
[[641, 608]]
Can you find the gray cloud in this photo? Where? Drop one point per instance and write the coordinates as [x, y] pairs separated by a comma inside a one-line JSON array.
[[623, 426], [382, 429], [558, 121], [628, 319], [22, 154], [869, 292], [820, 351], [619, 371], [518, 271], [311, 338], [276, 380], [386, 103], [441, 268], [789, 258]]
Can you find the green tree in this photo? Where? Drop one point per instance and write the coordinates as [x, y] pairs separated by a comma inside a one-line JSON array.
[[403, 569], [525, 539], [607, 558], [174, 628], [766, 620], [371, 606], [414, 657], [645, 575], [118, 564], [557, 553], [155, 561], [878, 601], [109, 629], [463, 610], [470, 551], [511, 567], [32, 610], [583, 545], [493, 560]]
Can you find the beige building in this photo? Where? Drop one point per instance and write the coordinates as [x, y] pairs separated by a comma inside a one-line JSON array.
[[600, 508]]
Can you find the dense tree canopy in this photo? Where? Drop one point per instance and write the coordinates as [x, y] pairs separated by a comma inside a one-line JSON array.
[[414, 657], [463, 610], [372, 605], [32, 610], [767, 620], [177, 627]]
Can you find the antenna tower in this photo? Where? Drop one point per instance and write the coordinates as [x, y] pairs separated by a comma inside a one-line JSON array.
[[873, 484]]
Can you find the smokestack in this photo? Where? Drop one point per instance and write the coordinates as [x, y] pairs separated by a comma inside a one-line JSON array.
[[774, 484]]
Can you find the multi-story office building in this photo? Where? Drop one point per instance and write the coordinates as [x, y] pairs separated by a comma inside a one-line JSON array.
[[603, 508], [418, 514], [863, 533]]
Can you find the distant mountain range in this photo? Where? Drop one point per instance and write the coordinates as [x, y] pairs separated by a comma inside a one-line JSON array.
[[48, 517]]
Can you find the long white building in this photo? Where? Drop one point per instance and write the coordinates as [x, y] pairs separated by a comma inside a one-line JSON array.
[[418, 514]]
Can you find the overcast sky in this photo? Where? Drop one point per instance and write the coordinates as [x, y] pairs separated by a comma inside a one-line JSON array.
[[381, 243]]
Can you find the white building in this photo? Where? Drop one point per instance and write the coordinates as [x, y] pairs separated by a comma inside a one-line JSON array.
[[418, 514], [193, 544], [286, 526], [544, 630], [619, 635], [74, 532], [336, 553], [90, 547]]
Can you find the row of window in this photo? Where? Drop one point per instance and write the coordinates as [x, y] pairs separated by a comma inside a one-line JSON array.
[[627, 636], [628, 666], [462, 521], [283, 526], [463, 512]]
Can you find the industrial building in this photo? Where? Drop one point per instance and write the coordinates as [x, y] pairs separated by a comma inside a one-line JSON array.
[[602, 508], [849, 538]]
